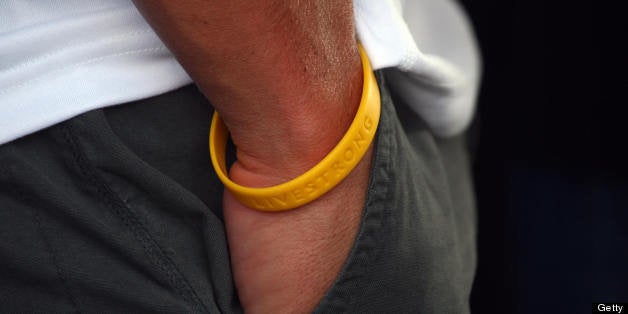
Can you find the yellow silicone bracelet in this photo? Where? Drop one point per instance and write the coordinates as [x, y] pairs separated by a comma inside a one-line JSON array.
[[324, 176]]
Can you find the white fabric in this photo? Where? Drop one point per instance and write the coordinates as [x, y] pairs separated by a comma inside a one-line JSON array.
[[440, 81], [61, 58]]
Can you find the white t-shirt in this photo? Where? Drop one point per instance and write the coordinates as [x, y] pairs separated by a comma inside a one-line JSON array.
[[61, 58]]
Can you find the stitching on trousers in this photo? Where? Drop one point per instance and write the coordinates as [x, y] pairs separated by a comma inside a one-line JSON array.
[[47, 244], [155, 253], [53, 256]]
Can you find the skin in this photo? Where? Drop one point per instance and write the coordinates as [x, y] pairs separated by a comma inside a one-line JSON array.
[[286, 78]]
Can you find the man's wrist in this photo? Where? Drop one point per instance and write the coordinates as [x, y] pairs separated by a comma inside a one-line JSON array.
[[285, 77], [297, 121], [321, 178], [303, 135]]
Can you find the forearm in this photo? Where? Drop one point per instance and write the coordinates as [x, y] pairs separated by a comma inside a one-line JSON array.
[[286, 78], [288, 61]]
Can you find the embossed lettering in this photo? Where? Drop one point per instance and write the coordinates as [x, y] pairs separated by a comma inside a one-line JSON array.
[[368, 123], [338, 166], [310, 187], [258, 203], [360, 138], [280, 199], [298, 194], [348, 154], [324, 178]]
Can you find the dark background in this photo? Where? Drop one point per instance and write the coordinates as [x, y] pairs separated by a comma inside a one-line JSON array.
[[551, 168]]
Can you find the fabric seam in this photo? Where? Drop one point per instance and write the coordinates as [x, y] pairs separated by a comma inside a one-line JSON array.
[[62, 50], [53, 256], [152, 249], [75, 65], [47, 244]]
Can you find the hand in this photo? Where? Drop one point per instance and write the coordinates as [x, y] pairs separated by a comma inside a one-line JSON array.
[[286, 79]]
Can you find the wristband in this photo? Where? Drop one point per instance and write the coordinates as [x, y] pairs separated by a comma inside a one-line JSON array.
[[324, 176]]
